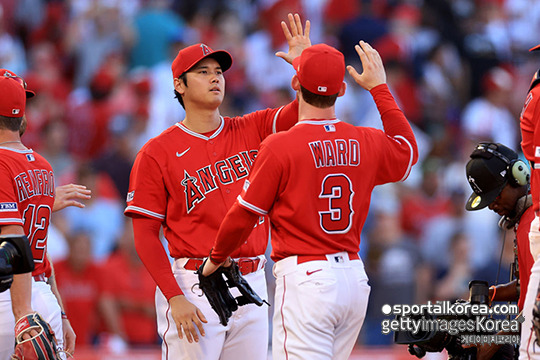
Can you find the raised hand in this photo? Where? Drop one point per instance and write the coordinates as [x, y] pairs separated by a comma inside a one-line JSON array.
[[297, 37], [69, 195], [374, 73]]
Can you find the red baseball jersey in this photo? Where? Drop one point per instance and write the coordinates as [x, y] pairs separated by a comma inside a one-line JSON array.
[[189, 180], [315, 180], [525, 258], [530, 133], [81, 292], [27, 198]]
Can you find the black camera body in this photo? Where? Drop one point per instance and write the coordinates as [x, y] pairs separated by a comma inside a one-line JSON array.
[[422, 342], [15, 258]]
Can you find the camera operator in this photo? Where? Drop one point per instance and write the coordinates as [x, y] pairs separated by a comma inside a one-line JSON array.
[[500, 181]]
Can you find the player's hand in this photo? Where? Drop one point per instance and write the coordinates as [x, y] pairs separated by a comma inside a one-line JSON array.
[[297, 38], [187, 317], [372, 64], [69, 337], [69, 195], [209, 267]]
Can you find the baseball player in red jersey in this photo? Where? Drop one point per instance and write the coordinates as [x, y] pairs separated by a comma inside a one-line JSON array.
[[530, 143], [315, 182], [185, 180], [27, 198]]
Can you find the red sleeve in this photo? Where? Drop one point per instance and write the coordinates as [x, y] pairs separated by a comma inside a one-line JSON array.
[[153, 255], [286, 117], [395, 124], [527, 123], [233, 232], [147, 194]]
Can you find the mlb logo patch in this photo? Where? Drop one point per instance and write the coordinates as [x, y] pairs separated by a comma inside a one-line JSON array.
[[329, 128], [322, 89], [9, 206], [130, 196], [30, 157], [537, 151], [246, 185]]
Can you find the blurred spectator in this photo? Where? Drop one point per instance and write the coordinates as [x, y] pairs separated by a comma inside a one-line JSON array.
[[129, 293], [420, 205], [102, 218], [154, 25], [453, 284], [54, 148], [79, 281], [12, 54], [487, 118], [443, 88], [94, 35], [88, 118], [118, 158], [393, 265]]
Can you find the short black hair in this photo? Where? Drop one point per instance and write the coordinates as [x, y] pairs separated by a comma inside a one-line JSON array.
[[10, 123], [320, 101], [177, 95]]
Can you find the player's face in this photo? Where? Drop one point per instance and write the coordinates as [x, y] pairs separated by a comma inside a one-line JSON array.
[[206, 84], [505, 203]]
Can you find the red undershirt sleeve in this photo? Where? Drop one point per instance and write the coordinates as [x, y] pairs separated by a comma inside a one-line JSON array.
[[394, 121], [153, 255], [233, 232], [288, 116]]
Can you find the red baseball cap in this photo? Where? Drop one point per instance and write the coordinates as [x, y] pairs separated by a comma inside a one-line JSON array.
[[12, 97], [535, 48], [320, 69], [6, 72], [191, 55]]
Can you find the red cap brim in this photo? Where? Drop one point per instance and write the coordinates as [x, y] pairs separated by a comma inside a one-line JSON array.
[[537, 47], [30, 94]]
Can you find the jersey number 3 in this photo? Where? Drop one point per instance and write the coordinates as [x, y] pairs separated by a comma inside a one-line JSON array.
[[337, 189], [36, 225]]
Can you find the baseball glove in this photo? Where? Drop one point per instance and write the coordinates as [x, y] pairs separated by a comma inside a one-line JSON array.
[[216, 288], [40, 347]]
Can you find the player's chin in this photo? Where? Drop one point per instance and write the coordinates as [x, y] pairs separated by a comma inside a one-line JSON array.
[[216, 98]]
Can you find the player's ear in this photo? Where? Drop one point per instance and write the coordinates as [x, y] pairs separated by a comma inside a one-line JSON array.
[[295, 83], [342, 89], [179, 86]]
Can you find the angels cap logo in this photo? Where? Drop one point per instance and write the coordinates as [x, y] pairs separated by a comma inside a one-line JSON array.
[[205, 49]]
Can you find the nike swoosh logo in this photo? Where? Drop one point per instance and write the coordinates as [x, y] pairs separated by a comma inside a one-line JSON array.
[[312, 272], [182, 153]]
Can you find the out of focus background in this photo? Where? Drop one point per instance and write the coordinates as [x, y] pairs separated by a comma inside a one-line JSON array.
[[459, 69]]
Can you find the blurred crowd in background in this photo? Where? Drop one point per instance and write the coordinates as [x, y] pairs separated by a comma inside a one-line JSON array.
[[459, 69]]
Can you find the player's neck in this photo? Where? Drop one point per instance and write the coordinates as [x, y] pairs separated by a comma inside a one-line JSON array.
[[310, 112], [11, 139], [202, 121]]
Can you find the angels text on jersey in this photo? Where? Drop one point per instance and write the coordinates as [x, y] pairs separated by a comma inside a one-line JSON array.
[[207, 179]]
